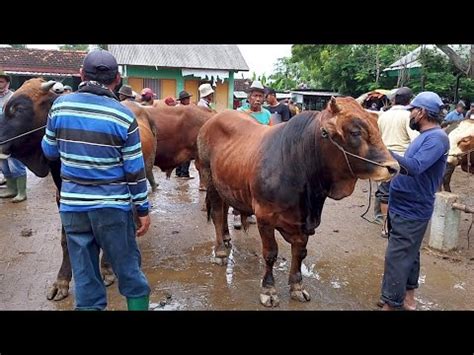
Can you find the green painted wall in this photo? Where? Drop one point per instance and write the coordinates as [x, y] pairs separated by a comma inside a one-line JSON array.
[[172, 73], [230, 100]]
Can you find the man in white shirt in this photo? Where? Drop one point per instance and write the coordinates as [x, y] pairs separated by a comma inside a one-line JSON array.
[[206, 93], [394, 126]]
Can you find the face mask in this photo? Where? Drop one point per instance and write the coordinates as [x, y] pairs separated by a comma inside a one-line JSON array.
[[414, 125]]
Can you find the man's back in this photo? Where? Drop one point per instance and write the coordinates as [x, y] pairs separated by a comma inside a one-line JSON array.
[[99, 145], [395, 129]]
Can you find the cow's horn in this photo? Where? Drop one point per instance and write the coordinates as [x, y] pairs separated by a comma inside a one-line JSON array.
[[47, 86], [333, 106]]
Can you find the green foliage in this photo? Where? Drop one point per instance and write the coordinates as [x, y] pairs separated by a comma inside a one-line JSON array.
[[19, 46], [356, 69]]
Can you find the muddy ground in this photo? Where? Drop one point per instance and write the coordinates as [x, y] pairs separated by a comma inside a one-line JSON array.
[[342, 271]]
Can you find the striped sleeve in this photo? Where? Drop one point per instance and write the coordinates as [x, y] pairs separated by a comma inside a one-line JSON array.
[[49, 143], [134, 167]]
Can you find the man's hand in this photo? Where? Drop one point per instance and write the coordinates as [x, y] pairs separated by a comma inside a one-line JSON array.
[[145, 222]]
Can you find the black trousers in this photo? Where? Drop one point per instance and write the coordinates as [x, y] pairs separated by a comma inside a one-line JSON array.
[[183, 169], [402, 258]]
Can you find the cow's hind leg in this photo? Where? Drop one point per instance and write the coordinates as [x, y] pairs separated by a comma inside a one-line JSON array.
[[215, 211], [60, 288], [225, 228], [298, 253], [268, 297], [108, 274]]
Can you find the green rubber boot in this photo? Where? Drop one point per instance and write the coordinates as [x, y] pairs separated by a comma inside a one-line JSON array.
[[21, 188], [11, 189], [138, 303]]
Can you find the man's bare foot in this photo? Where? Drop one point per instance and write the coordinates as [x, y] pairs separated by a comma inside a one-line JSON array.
[[409, 303]]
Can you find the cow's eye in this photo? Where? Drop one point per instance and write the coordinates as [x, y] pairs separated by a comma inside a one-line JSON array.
[[355, 133]]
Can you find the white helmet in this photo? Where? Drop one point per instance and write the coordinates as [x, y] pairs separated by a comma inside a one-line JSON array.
[[58, 88]]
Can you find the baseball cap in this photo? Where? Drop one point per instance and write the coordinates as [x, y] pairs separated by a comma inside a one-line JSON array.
[[404, 92], [428, 100], [100, 61]]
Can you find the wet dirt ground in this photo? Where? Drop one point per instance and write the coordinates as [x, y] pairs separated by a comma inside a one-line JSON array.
[[342, 271]]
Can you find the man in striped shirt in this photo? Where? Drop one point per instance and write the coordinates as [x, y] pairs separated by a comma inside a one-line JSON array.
[[103, 172]]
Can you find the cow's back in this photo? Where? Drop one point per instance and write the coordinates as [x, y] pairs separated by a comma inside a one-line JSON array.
[[229, 147]]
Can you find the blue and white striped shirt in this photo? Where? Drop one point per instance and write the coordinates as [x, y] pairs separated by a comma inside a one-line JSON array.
[[98, 142]]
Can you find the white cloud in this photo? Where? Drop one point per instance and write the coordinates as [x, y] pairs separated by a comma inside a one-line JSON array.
[[262, 57]]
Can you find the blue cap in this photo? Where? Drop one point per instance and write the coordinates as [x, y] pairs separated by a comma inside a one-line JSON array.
[[428, 100], [100, 61]]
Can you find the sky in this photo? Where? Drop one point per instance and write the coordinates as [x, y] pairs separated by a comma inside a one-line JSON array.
[[259, 58]]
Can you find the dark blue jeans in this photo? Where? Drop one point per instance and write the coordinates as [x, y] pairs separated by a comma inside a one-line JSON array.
[[402, 258], [12, 168], [113, 230]]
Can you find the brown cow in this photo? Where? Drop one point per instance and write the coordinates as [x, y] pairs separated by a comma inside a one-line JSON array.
[[148, 134], [177, 128], [284, 173], [26, 110], [461, 152]]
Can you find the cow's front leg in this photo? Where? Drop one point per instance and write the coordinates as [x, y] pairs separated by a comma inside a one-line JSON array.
[[298, 253], [60, 288]]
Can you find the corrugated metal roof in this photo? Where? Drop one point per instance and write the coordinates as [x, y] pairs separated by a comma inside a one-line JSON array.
[[225, 57], [411, 59]]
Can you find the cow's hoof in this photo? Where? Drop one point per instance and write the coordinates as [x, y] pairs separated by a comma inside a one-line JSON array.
[[59, 291], [298, 293], [108, 278], [219, 260], [269, 297], [227, 244]]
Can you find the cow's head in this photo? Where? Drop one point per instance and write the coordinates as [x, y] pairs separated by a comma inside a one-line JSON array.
[[355, 130], [461, 140], [26, 110]]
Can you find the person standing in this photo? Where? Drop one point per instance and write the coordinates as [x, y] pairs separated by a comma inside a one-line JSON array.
[[182, 171], [13, 170], [206, 92], [98, 142], [262, 116], [411, 201], [276, 107], [394, 127]]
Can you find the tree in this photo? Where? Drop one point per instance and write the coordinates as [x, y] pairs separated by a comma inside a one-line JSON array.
[[465, 66], [74, 47], [19, 46]]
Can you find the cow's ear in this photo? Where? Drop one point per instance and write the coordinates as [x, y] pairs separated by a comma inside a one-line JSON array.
[[333, 107]]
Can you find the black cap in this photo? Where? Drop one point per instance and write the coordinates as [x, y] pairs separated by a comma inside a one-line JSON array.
[[404, 92], [100, 61], [184, 95]]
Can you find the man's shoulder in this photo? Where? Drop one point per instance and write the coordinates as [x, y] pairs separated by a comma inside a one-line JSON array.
[[265, 111]]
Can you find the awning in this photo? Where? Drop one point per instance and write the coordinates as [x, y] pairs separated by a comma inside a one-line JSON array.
[[207, 74]]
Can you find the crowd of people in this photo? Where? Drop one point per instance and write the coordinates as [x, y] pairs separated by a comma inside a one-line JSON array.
[[99, 215]]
